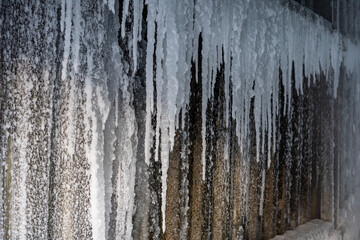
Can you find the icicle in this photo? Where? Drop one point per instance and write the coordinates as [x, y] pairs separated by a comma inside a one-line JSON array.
[[76, 35], [111, 5], [171, 63], [170, 90], [135, 32], [67, 27], [183, 22], [226, 27], [124, 15], [336, 59], [141, 8], [149, 79], [205, 80], [62, 20]]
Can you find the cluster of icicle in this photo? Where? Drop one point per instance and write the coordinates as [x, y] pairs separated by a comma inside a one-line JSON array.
[[253, 38]]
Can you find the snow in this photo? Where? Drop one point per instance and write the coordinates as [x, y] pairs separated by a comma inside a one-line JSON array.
[[313, 230]]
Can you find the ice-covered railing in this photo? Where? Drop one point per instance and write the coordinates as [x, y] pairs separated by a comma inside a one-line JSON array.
[[253, 38]]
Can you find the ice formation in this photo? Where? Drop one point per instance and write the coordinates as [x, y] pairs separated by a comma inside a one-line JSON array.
[[76, 126]]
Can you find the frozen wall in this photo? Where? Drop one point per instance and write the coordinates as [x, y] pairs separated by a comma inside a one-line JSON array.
[[176, 119]]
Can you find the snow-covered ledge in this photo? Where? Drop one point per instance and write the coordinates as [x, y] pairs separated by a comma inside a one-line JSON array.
[[315, 229]]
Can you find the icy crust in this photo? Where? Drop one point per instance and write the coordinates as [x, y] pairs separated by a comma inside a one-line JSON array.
[[313, 230], [54, 167], [58, 106], [24, 100], [254, 39]]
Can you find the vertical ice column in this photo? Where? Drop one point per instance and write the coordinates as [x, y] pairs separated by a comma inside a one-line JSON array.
[[97, 111]]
